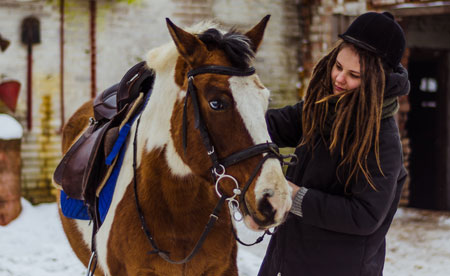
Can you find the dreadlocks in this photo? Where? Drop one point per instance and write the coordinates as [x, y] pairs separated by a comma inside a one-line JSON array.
[[356, 125]]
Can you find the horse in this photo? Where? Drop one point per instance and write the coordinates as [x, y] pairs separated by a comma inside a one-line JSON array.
[[179, 142]]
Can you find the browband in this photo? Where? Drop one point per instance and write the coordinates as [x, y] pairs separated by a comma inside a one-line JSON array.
[[221, 70]]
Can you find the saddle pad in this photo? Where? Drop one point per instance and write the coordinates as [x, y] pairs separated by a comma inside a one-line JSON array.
[[76, 209]]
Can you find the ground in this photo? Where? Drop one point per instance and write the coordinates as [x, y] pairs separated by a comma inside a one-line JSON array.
[[418, 244]]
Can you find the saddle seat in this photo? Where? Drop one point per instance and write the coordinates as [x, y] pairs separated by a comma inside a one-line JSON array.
[[86, 166]]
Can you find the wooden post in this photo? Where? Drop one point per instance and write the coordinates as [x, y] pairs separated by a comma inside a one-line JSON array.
[[10, 168]]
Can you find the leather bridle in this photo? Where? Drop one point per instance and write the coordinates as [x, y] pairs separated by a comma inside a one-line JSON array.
[[219, 166]]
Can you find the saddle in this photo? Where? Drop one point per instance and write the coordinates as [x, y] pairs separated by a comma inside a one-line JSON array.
[[86, 166]]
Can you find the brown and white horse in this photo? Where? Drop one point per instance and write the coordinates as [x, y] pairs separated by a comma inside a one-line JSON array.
[[174, 184]]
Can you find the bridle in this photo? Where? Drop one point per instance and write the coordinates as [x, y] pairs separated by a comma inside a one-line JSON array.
[[219, 166]]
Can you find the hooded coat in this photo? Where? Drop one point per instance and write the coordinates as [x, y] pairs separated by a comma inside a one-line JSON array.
[[338, 233]]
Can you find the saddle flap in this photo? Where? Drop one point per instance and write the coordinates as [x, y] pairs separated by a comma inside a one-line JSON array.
[[70, 171]]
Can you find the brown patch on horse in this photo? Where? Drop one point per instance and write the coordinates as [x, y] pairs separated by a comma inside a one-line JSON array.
[[76, 125], [181, 208], [181, 69]]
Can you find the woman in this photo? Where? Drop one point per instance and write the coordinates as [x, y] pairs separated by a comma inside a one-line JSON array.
[[349, 176]]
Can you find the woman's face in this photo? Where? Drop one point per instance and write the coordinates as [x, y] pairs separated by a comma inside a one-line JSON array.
[[346, 74]]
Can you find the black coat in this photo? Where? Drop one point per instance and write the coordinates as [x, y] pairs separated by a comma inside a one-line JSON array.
[[339, 233]]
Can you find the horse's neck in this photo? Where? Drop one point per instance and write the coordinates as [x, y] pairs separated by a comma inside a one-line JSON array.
[[167, 183], [168, 193]]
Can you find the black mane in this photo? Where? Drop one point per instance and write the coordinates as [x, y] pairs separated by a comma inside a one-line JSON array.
[[236, 46]]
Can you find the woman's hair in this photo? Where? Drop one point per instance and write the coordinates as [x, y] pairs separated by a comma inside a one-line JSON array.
[[356, 126]]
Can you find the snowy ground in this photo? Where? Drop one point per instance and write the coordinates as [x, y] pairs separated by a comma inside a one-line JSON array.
[[35, 245]]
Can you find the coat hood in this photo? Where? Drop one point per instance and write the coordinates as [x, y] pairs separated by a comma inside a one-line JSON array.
[[397, 83]]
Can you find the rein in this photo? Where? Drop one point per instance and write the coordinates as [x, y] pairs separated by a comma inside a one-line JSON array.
[[218, 168], [164, 254]]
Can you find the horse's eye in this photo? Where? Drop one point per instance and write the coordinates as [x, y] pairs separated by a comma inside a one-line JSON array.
[[216, 105]]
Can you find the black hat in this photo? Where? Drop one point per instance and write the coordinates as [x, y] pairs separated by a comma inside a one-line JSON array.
[[378, 33]]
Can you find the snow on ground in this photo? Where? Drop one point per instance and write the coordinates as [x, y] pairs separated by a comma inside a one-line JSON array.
[[11, 128], [418, 243], [35, 245]]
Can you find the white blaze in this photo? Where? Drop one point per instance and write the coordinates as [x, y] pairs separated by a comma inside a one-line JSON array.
[[252, 101]]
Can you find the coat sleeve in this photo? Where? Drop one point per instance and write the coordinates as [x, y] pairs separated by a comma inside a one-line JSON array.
[[285, 125], [362, 212]]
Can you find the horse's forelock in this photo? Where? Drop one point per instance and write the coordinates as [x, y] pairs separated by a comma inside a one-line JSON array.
[[237, 47]]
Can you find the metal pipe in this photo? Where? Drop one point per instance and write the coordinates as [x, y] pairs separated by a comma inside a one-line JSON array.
[[93, 15], [61, 65], [29, 86]]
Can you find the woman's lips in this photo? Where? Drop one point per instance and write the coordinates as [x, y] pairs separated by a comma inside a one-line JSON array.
[[338, 89]]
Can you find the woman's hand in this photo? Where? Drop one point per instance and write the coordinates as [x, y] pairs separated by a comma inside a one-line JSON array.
[[294, 187]]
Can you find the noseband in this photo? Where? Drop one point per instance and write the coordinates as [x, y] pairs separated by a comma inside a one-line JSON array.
[[219, 166]]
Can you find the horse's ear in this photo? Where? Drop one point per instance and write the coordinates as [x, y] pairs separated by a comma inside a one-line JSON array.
[[189, 46], [256, 34]]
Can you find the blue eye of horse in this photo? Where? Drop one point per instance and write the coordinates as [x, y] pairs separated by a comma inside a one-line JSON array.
[[216, 105]]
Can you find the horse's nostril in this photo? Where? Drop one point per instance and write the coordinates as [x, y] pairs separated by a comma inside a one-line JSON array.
[[267, 210], [268, 193]]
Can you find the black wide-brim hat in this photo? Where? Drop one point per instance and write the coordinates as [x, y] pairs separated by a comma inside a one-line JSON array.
[[378, 33]]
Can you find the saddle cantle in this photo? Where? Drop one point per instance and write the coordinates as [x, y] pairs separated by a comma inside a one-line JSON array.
[[82, 171]]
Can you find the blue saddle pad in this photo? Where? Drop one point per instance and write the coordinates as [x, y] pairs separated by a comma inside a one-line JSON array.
[[76, 209]]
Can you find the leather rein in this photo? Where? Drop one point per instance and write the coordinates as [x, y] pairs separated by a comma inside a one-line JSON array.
[[219, 166]]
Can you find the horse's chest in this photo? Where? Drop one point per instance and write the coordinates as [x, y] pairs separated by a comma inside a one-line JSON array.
[[174, 232]]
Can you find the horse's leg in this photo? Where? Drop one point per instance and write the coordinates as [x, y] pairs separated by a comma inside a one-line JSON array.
[[76, 241], [225, 269]]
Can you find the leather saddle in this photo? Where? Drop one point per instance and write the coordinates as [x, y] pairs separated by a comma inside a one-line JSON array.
[[83, 170]]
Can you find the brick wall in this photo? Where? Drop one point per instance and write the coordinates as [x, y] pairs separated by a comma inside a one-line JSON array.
[[13, 64], [298, 34], [124, 33], [277, 60]]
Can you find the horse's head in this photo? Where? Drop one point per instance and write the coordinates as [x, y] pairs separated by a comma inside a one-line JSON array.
[[220, 113]]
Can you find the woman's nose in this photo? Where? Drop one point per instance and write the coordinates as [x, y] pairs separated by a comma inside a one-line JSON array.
[[340, 78]]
